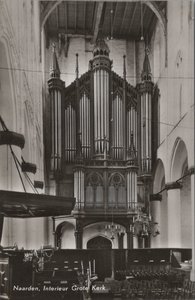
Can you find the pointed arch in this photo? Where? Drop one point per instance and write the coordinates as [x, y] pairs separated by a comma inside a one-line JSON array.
[[48, 10], [162, 20], [158, 13], [65, 229], [159, 176], [179, 159]]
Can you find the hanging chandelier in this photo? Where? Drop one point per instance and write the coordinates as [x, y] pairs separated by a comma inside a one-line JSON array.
[[143, 226], [111, 230]]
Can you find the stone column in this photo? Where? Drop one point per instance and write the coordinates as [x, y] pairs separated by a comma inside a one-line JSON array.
[[135, 242], [79, 235], [155, 200], [52, 190], [174, 214], [121, 240], [129, 238], [141, 244], [192, 275], [147, 242], [112, 263]]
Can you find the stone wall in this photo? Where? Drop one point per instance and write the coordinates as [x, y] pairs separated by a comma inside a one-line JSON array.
[[21, 108]]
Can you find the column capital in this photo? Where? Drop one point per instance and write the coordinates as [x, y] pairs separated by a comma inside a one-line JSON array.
[[78, 168], [173, 185], [155, 197]]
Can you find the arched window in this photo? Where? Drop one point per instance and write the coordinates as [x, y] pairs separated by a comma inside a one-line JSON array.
[[116, 191]]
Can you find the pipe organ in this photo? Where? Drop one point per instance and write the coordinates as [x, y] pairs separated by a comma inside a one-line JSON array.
[[101, 135]]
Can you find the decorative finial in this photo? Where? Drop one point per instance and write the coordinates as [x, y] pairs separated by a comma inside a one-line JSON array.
[[146, 73], [124, 67], [77, 66], [101, 48], [54, 69], [142, 30]]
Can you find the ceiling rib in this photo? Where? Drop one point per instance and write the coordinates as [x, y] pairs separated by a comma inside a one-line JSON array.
[[57, 17], [124, 16], [48, 10], [133, 16], [156, 10], [66, 16], [97, 21], [84, 16], [114, 18], [75, 20], [142, 24]]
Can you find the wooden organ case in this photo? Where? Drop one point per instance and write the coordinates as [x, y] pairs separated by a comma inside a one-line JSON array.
[[101, 141]]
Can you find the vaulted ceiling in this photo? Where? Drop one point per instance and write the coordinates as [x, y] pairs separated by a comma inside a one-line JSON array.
[[90, 19]]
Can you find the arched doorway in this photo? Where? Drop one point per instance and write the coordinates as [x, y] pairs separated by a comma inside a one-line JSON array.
[[99, 242], [103, 253]]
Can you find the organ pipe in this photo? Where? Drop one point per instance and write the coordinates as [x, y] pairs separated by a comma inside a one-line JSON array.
[[79, 187], [146, 128], [124, 110], [70, 134], [101, 66], [101, 110], [55, 88], [118, 130], [85, 125], [78, 132], [132, 176], [132, 189], [132, 126]]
